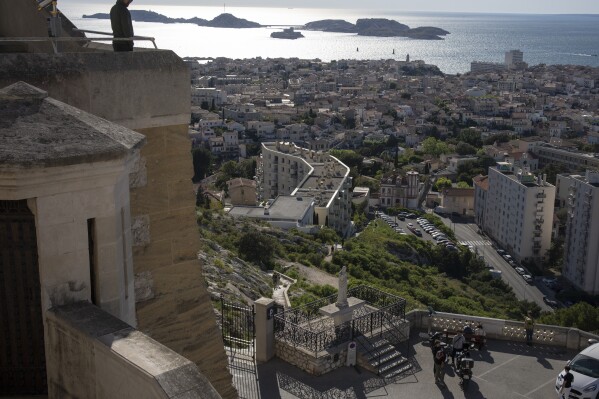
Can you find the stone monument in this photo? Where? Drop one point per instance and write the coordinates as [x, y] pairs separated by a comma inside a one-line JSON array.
[[342, 310], [342, 295]]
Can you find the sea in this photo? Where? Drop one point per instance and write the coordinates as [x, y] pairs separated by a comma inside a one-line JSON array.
[[544, 39]]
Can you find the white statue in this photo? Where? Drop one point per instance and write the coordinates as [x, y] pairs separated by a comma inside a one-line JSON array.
[[342, 296]]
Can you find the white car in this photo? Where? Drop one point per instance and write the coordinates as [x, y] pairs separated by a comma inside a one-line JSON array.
[[585, 369]]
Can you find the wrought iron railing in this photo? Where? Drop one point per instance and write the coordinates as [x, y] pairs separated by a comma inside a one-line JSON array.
[[306, 328]]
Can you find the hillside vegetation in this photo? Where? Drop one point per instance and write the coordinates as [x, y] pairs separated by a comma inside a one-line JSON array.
[[404, 265]]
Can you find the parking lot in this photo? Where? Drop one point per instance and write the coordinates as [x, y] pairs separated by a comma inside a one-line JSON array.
[[411, 224]]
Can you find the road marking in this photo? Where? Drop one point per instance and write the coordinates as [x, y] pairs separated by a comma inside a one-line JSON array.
[[475, 243], [541, 386], [499, 365]]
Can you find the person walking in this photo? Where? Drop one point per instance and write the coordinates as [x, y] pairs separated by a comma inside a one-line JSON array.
[[457, 345], [567, 380], [122, 27], [439, 367], [529, 326]]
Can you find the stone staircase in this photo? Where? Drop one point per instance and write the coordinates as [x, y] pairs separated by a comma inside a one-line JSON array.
[[382, 357]]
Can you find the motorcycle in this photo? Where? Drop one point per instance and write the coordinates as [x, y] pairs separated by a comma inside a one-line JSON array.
[[464, 366]]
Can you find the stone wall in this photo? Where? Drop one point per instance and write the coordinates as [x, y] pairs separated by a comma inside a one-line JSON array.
[[92, 348], [326, 362], [173, 303]]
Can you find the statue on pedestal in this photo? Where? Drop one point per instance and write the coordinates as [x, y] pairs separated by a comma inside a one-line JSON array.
[[342, 296]]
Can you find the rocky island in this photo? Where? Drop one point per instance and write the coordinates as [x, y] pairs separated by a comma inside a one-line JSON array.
[[380, 27], [222, 21]]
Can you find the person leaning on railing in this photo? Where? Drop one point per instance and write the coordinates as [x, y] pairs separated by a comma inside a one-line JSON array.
[[122, 27]]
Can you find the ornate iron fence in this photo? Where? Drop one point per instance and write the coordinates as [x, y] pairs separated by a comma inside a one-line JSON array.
[[237, 321], [306, 328]]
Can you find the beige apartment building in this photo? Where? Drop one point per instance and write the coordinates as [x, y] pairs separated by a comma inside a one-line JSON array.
[[581, 249], [519, 211], [400, 191]]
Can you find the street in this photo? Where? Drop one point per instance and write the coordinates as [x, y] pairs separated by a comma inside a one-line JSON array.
[[466, 234]]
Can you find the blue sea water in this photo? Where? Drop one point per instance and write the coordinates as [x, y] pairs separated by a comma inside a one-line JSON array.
[[548, 39]]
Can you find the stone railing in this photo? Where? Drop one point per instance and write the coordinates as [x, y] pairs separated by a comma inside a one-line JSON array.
[[508, 330]]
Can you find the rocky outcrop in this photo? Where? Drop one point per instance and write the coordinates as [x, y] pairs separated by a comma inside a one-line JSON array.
[[222, 21], [230, 21], [331, 25], [379, 27]]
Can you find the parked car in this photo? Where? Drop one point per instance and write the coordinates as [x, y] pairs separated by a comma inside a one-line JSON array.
[[585, 369], [500, 251], [551, 302], [507, 257], [528, 278], [520, 270], [418, 232]]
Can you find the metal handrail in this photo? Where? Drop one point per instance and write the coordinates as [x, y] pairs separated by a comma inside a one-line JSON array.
[[77, 39]]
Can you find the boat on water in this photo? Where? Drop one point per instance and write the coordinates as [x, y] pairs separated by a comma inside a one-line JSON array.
[[288, 33]]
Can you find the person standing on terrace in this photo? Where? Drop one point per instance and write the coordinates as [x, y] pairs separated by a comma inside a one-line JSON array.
[[122, 27], [529, 326]]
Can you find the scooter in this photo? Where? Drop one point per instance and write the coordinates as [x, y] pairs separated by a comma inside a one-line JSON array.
[[464, 366]]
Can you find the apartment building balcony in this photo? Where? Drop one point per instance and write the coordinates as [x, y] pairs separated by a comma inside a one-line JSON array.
[[541, 195]]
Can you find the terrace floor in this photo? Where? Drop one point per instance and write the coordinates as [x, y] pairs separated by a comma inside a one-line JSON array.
[[504, 370]]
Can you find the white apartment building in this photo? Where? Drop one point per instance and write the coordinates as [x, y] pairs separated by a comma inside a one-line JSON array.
[[581, 248], [519, 211], [286, 169]]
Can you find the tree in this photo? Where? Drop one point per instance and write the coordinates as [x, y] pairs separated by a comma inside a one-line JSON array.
[[348, 157], [434, 147], [581, 315], [465, 149], [254, 246], [471, 137], [202, 163], [462, 184], [441, 183]]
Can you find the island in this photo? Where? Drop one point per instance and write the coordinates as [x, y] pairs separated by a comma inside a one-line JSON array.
[[288, 33], [222, 21], [379, 27]]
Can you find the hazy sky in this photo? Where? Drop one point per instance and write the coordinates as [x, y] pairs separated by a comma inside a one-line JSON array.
[[504, 6]]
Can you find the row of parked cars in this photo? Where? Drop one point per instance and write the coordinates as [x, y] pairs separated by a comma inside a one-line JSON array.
[[437, 235], [520, 270], [391, 222]]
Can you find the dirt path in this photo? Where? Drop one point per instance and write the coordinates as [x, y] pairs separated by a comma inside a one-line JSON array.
[[315, 276]]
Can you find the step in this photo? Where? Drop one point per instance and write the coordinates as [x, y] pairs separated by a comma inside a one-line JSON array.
[[392, 373], [392, 364], [386, 358]]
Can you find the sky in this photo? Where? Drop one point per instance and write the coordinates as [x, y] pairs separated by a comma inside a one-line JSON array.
[[476, 6]]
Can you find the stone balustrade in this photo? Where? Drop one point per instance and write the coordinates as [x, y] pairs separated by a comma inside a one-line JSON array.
[[507, 330]]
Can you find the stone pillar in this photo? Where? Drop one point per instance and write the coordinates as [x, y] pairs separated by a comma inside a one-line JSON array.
[[264, 323]]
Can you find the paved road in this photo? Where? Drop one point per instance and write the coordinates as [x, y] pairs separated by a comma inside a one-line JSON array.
[[466, 234]]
